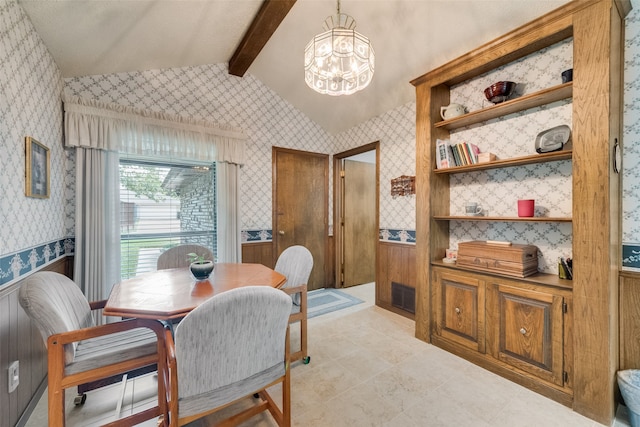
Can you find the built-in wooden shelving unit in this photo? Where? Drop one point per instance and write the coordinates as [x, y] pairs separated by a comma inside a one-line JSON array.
[[476, 314]]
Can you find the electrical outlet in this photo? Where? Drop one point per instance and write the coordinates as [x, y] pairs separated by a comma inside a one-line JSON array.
[[14, 375]]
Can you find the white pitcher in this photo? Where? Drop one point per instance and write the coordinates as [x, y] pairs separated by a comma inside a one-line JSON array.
[[451, 111]]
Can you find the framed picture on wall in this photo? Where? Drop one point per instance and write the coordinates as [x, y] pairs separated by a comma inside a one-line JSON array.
[[37, 169]]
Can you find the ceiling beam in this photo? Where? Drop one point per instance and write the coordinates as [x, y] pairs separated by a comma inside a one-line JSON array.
[[265, 23]]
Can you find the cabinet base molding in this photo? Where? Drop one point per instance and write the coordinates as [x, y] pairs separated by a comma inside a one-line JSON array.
[[561, 395]]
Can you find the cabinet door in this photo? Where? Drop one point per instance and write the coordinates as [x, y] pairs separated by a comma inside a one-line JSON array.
[[459, 308], [529, 331]]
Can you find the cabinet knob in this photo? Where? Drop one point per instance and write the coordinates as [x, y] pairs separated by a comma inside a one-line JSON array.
[[281, 232], [458, 310], [523, 331]]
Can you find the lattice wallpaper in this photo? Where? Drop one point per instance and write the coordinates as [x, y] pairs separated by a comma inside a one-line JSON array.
[[32, 230], [396, 130], [631, 137]]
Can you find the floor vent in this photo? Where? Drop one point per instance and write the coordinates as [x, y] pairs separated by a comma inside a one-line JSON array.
[[403, 297]]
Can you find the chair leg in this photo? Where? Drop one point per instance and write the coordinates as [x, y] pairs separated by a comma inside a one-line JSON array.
[[286, 399], [286, 383], [303, 341], [55, 367]]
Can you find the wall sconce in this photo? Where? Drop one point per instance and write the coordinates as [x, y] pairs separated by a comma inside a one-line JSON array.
[[403, 186]]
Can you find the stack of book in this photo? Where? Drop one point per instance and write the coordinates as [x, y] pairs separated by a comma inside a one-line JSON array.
[[449, 155]]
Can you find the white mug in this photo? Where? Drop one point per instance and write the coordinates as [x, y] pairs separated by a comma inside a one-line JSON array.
[[472, 209]]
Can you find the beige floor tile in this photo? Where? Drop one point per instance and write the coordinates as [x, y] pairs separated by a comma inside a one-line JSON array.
[[435, 410], [367, 369]]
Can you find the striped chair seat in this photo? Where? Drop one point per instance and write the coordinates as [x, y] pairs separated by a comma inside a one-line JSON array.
[[102, 351]]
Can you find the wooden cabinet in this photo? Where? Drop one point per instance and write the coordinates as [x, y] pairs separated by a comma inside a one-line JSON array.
[[459, 308], [533, 358], [510, 326], [528, 331]]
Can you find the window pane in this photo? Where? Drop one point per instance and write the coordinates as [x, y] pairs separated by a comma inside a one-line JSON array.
[[163, 205]]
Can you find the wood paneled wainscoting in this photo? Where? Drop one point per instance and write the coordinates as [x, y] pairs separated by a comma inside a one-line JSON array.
[[262, 253], [258, 253], [396, 278], [20, 340], [629, 298]]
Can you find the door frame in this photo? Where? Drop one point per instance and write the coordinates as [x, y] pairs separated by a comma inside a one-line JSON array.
[[338, 203]]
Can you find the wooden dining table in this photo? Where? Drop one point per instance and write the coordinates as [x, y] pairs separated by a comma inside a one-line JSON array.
[[173, 293]]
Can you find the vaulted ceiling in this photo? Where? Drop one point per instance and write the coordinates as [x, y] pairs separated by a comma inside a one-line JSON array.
[[410, 37]]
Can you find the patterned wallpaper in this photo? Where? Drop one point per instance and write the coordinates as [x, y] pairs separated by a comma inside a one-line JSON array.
[[631, 138], [37, 231], [33, 230], [396, 130]]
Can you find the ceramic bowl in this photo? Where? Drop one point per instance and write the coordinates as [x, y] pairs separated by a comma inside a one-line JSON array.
[[499, 92]]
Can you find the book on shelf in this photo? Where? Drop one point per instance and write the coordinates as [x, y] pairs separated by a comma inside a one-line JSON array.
[[464, 153], [461, 154], [443, 154]]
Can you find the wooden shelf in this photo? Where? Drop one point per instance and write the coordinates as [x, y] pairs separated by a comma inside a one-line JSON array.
[[538, 278], [515, 161], [543, 97], [501, 218]]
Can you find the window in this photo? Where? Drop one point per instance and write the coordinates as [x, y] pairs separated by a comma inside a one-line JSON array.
[[163, 205]]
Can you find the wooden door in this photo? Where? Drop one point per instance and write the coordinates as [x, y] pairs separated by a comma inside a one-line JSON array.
[[359, 219], [301, 206]]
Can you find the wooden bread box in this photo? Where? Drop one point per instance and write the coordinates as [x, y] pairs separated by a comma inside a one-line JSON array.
[[512, 260]]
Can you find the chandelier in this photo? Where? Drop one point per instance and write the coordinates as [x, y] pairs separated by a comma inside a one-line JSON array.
[[340, 60]]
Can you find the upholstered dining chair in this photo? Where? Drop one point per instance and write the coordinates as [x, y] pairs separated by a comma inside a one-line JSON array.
[[296, 263], [233, 346], [176, 256], [78, 352]]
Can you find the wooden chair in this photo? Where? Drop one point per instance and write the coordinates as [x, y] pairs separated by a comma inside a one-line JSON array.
[[296, 263], [78, 352], [232, 347], [176, 256]]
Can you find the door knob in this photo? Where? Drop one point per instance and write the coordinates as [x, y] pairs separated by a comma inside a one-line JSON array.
[[281, 232]]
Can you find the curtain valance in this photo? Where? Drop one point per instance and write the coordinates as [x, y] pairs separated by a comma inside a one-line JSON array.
[[105, 126]]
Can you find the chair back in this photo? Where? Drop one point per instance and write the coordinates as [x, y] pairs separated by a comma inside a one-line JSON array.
[[56, 304], [295, 263], [176, 257], [236, 335]]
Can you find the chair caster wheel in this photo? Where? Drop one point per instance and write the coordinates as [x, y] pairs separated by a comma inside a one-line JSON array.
[[80, 399], [256, 395], [306, 360]]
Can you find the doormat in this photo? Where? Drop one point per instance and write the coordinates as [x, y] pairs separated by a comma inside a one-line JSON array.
[[326, 300]]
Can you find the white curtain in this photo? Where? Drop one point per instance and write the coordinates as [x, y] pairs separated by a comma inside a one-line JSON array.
[[99, 131], [128, 130], [228, 213], [97, 250]]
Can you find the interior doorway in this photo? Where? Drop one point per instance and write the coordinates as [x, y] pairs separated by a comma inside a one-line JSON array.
[[301, 207], [356, 214]]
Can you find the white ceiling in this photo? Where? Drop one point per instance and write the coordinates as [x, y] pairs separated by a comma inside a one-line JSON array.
[[410, 37]]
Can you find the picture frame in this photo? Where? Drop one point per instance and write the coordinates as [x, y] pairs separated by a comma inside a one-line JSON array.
[[37, 169]]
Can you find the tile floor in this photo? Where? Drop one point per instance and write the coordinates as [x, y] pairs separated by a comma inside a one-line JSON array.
[[367, 369]]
